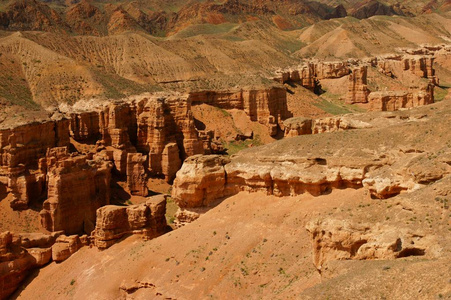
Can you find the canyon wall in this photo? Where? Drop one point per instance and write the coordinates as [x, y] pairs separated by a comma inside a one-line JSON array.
[[77, 187], [395, 100], [309, 74], [302, 126], [267, 106], [203, 179], [396, 66], [25, 144]]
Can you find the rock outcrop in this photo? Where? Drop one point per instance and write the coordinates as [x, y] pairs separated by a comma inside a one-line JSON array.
[[20, 253], [65, 246], [303, 126], [310, 73], [343, 240], [77, 187], [307, 164], [267, 106], [136, 174], [204, 179], [15, 264], [156, 125], [25, 144], [395, 100], [114, 222], [357, 88], [397, 66]]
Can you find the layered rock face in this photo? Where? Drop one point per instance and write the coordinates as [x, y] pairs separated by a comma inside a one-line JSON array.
[[309, 74], [114, 222], [166, 129], [303, 126], [20, 253], [157, 125], [85, 126], [357, 88], [20, 148], [343, 240], [204, 179], [268, 106], [136, 174], [395, 100], [77, 187], [291, 167], [331, 70], [417, 65], [25, 144], [14, 264]]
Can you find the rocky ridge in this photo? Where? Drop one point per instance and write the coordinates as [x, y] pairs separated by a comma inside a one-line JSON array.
[[318, 169]]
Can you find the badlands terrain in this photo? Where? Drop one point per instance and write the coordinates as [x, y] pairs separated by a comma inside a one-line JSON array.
[[237, 149]]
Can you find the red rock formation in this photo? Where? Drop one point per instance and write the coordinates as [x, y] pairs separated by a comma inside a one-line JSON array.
[[204, 179], [395, 65], [65, 246], [395, 100], [342, 240], [268, 106], [212, 143], [77, 187], [357, 88], [204, 185], [136, 174], [85, 126], [19, 254], [147, 125], [297, 126], [25, 144], [15, 264], [307, 76], [170, 162], [302, 126], [114, 222], [330, 70], [163, 122], [25, 187]]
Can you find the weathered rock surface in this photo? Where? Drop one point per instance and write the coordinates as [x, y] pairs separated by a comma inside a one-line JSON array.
[[303, 126], [342, 240], [65, 246], [267, 106], [77, 187], [395, 100], [114, 222], [204, 179], [19, 254], [136, 174], [357, 88], [14, 264], [25, 144], [310, 73], [292, 167], [399, 66]]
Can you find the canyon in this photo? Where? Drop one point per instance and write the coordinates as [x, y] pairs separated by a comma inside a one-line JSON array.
[[65, 164], [225, 149]]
